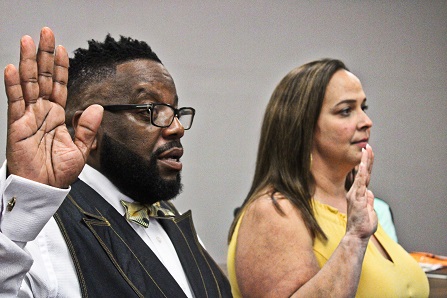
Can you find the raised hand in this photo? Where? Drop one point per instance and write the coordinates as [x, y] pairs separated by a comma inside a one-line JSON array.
[[362, 219], [39, 146]]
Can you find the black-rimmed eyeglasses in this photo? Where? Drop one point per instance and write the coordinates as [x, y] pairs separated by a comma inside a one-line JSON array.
[[161, 114]]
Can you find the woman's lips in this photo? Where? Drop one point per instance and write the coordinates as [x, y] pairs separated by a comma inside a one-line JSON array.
[[361, 143]]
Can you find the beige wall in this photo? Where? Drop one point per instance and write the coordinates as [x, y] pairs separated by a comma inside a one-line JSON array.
[[226, 58]]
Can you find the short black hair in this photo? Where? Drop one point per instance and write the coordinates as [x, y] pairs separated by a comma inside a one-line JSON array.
[[97, 63], [88, 64]]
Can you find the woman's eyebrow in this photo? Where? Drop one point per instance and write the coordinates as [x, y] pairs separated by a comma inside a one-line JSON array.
[[349, 101]]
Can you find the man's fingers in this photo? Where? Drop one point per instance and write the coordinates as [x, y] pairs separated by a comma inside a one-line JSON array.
[[28, 70], [45, 62], [87, 128], [16, 104], [60, 76]]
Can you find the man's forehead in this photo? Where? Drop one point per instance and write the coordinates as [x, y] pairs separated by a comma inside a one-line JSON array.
[[147, 80], [142, 66], [143, 71]]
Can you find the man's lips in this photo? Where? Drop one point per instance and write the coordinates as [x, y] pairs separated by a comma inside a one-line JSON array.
[[171, 158]]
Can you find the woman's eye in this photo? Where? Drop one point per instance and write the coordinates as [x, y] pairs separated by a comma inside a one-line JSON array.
[[364, 108], [345, 111]]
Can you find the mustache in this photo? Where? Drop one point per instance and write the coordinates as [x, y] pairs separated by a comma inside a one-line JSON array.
[[167, 146]]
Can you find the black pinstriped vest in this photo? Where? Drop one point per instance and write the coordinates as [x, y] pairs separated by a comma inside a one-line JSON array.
[[111, 260]]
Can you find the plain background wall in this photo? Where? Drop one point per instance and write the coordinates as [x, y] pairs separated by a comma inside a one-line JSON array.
[[226, 58]]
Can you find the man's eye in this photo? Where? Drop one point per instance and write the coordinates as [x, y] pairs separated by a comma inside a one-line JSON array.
[[155, 114], [364, 108], [146, 113]]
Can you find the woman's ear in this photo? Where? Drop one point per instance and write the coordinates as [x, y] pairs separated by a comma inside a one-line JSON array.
[[74, 124]]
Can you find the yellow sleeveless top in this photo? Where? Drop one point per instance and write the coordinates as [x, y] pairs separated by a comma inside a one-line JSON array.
[[401, 277]]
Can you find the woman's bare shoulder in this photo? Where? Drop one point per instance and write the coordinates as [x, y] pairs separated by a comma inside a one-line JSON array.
[[274, 249], [273, 206]]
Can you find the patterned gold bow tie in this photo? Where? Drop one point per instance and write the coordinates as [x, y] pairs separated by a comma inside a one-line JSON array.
[[140, 213]]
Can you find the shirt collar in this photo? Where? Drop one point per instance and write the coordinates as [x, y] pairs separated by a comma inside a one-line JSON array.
[[104, 187]]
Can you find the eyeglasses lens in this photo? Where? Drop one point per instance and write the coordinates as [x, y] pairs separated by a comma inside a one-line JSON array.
[[163, 115]]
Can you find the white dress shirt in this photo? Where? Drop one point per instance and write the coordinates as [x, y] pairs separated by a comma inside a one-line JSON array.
[[30, 235]]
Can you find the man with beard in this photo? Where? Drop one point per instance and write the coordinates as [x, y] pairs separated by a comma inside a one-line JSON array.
[[85, 207]]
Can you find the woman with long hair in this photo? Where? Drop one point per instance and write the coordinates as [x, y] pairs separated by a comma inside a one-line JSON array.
[[307, 226]]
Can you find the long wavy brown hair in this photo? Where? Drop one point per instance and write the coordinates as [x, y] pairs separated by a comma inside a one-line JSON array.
[[284, 154]]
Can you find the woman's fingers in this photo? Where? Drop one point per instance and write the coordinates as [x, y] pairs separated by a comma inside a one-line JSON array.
[[362, 220], [361, 178], [370, 163], [370, 198]]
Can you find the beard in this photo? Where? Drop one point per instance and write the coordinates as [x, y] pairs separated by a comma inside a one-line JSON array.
[[136, 177]]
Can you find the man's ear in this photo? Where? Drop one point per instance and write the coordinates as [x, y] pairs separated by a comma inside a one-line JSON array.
[[74, 124]]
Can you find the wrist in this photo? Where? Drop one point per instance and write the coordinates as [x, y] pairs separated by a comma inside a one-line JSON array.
[[355, 241]]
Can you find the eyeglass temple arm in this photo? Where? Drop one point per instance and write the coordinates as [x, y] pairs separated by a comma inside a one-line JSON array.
[[125, 107]]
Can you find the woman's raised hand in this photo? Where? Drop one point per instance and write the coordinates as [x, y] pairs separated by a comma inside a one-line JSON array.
[[362, 219]]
